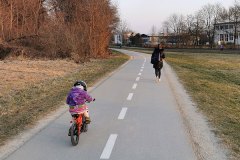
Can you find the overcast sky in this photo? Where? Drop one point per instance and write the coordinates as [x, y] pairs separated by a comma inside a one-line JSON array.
[[141, 15]]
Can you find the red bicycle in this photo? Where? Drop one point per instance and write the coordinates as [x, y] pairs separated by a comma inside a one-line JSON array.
[[78, 126]]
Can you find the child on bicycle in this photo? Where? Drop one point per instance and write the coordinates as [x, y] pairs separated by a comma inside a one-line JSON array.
[[76, 100]]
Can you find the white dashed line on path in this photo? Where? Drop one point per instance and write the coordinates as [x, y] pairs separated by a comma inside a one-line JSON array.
[[139, 74], [109, 146], [134, 86], [122, 113], [129, 98], [138, 78]]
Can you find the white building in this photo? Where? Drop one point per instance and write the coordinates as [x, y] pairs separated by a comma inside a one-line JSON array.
[[118, 39], [224, 33]]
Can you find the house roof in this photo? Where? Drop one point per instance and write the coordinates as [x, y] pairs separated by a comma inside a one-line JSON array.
[[227, 23], [144, 35]]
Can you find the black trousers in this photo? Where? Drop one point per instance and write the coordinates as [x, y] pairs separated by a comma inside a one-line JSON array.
[[158, 66], [158, 72]]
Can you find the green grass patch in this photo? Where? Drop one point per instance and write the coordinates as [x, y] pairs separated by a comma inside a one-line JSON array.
[[21, 109], [187, 50]]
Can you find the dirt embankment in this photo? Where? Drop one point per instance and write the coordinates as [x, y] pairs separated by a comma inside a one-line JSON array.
[[25, 85]]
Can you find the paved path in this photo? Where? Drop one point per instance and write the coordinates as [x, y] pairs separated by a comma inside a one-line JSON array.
[[133, 118]]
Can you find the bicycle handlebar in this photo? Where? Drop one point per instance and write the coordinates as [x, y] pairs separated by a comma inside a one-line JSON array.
[[92, 100]]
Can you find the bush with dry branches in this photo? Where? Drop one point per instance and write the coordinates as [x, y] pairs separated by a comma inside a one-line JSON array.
[[77, 29]]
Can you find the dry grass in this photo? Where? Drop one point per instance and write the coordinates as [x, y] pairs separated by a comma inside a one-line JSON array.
[[213, 80], [18, 74], [42, 94]]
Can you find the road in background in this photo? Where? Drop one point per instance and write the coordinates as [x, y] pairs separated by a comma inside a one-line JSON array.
[[133, 117]]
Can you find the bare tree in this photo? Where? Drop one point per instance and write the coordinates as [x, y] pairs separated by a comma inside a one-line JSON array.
[[121, 29], [77, 28], [154, 36], [234, 16], [153, 31], [195, 27], [20, 18], [210, 15], [177, 25]]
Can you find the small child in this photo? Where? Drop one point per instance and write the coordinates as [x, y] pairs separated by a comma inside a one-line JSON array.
[[76, 100], [221, 47]]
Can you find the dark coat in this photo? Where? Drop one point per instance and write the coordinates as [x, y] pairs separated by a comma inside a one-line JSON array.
[[155, 56]]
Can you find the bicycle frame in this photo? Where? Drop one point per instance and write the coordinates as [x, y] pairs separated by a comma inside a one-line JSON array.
[[78, 121]]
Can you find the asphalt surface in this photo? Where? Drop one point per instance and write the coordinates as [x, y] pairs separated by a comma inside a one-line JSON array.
[[133, 118]]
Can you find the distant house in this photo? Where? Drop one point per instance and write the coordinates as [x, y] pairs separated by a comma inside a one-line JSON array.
[[145, 40], [224, 33], [150, 41]]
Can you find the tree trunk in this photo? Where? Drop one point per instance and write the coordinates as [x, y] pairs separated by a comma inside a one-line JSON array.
[[11, 20]]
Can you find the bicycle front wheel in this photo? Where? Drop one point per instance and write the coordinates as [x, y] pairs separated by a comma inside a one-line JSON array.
[[74, 134]]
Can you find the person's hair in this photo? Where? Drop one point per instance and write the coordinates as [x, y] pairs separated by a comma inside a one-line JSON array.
[[161, 43]]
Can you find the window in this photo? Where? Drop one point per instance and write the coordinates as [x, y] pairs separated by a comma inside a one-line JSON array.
[[221, 27], [221, 37], [226, 37], [217, 27], [230, 26], [226, 26], [231, 36]]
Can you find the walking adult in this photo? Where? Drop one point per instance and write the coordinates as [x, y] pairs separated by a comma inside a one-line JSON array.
[[157, 60]]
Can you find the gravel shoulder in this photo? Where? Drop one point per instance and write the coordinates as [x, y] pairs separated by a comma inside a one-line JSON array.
[[204, 142]]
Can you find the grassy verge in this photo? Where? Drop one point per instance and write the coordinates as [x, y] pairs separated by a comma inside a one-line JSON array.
[[213, 81], [24, 107], [187, 50]]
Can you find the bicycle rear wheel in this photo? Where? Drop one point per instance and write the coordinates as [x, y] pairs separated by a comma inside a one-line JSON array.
[[85, 125], [74, 134]]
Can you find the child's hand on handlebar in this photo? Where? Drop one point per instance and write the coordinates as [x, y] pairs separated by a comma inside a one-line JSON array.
[[90, 101]]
